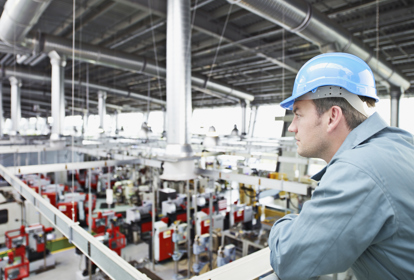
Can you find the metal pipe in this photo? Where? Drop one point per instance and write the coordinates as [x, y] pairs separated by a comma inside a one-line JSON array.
[[153, 225], [178, 78], [298, 16], [189, 227], [243, 128], [210, 231], [18, 18], [120, 60], [58, 95], [395, 93], [253, 117], [101, 108], [15, 104], [31, 75]]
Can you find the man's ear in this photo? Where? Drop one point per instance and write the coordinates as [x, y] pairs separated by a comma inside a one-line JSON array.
[[335, 117]]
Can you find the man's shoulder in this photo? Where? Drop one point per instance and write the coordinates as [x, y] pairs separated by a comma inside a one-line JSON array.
[[386, 150]]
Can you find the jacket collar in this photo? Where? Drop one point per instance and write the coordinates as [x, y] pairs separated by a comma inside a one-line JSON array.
[[361, 133]]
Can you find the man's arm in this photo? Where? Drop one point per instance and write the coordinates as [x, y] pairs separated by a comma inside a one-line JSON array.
[[347, 211]]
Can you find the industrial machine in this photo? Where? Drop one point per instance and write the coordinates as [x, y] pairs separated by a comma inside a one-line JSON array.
[[163, 245], [16, 264], [115, 239], [37, 236], [242, 214], [101, 221], [201, 245], [175, 209], [139, 222], [179, 237], [226, 255]]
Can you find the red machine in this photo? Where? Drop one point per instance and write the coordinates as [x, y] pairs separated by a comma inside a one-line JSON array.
[[18, 265], [113, 238], [37, 241], [238, 216], [68, 209], [101, 222], [116, 240], [164, 247]]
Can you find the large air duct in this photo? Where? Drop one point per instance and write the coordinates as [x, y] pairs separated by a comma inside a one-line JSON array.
[[20, 15], [178, 78], [31, 75], [18, 18], [181, 165], [121, 60], [298, 16]]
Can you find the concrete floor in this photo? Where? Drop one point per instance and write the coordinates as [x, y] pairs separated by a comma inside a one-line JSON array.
[[68, 263]]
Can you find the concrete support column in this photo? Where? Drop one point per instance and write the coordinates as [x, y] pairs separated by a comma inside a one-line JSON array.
[[395, 93], [58, 63], [253, 117], [15, 104], [164, 126], [85, 122], [102, 109], [117, 112], [243, 116]]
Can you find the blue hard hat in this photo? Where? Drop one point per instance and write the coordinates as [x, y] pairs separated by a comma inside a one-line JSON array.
[[333, 69]]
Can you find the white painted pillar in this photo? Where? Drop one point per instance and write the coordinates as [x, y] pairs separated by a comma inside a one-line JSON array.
[[102, 109], [243, 128], [15, 105], [395, 105], [117, 112], [58, 63], [85, 122]]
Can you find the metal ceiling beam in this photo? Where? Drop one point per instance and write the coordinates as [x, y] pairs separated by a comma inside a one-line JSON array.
[[298, 16], [203, 23], [96, 13], [129, 21], [80, 12]]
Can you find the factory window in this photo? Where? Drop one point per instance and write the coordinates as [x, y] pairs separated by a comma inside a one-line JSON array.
[[223, 119], [266, 126], [4, 216]]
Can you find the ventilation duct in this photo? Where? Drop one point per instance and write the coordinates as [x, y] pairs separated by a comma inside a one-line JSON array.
[[298, 16], [30, 75], [18, 18], [120, 60]]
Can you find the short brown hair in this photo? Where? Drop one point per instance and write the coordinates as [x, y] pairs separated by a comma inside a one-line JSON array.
[[352, 116]]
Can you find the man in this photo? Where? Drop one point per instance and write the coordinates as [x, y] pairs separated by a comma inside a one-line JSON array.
[[361, 215]]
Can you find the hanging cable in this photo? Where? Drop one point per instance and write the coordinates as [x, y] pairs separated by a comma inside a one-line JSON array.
[[155, 49], [73, 101], [377, 31], [218, 48], [148, 101], [283, 55]]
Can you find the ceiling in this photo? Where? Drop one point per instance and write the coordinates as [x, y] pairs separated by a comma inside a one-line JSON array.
[[230, 46]]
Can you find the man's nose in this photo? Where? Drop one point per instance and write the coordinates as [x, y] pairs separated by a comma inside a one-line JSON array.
[[292, 127]]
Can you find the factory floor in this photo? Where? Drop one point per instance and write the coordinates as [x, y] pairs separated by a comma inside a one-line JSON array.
[[68, 264]]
